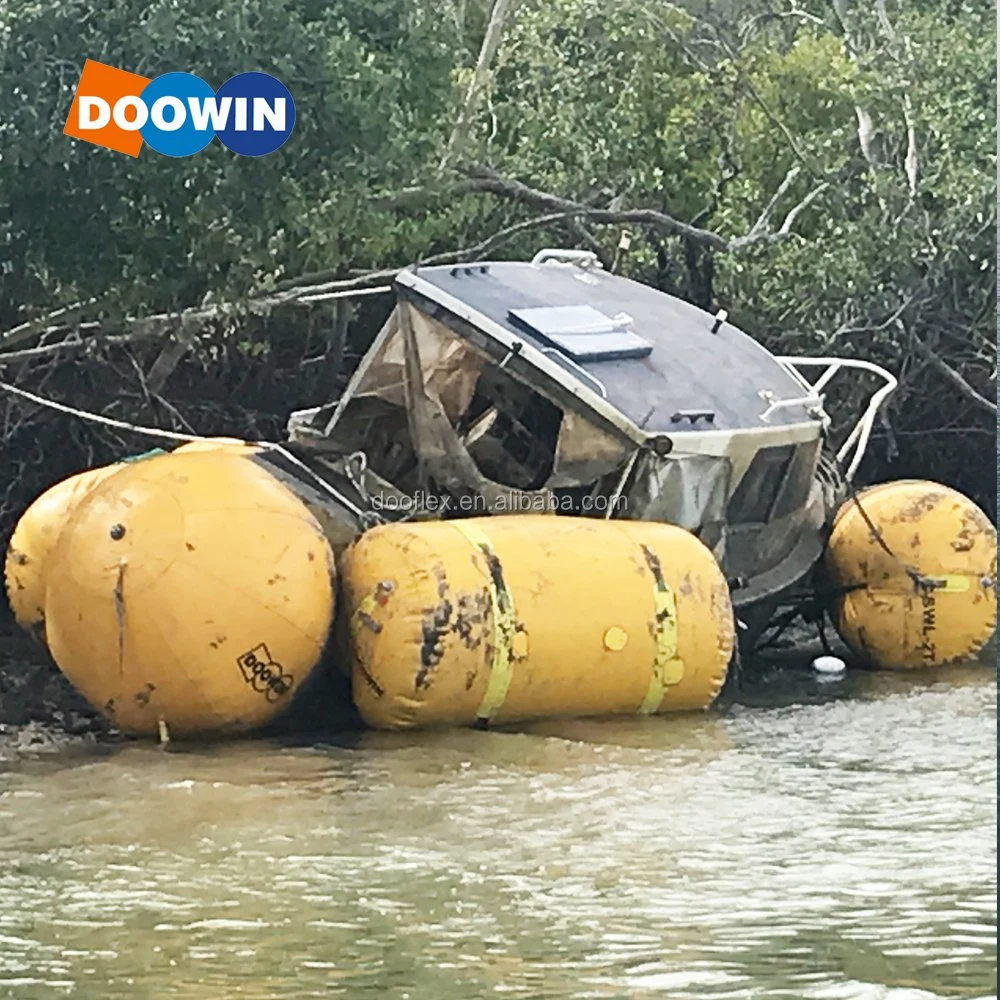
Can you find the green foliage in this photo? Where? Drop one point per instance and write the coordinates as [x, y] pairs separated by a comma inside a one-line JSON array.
[[370, 81], [695, 110]]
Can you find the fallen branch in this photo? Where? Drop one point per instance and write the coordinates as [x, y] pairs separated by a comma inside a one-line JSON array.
[[187, 323], [151, 392], [311, 295], [71, 346], [328, 280], [163, 367], [27, 331], [504, 236], [484, 179], [360, 284]]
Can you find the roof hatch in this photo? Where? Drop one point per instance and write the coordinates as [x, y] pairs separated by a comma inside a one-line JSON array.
[[582, 332]]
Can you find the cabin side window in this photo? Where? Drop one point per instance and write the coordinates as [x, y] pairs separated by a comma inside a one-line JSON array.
[[432, 410], [798, 481]]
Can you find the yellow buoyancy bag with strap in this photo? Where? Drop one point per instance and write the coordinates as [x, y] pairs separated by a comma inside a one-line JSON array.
[[509, 618], [917, 566]]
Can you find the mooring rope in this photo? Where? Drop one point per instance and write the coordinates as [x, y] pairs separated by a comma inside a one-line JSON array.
[[99, 418], [158, 432], [919, 581]]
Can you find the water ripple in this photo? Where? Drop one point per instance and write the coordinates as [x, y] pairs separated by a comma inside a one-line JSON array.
[[839, 849]]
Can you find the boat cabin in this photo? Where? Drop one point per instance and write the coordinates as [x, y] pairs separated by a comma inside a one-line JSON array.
[[555, 386]]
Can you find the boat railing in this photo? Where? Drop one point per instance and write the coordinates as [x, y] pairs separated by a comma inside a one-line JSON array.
[[810, 402], [585, 258], [856, 443]]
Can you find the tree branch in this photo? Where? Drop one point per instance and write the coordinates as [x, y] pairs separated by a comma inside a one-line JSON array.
[[32, 328], [894, 318], [484, 179], [911, 161], [749, 29], [304, 290], [774, 120], [491, 42], [760, 232], [786, 226], [954, 377], [760, 226]]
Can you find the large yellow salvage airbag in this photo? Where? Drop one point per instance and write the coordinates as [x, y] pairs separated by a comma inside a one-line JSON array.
[[190, 588], [932, 601], [511, 618], [35, 537]]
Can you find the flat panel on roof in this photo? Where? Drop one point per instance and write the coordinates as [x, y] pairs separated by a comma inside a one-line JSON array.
[[583, 332]]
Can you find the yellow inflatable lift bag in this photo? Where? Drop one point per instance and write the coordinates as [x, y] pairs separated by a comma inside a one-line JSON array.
[[500, 619], [192, 590], [38, 529], [924, 580], [34, 538]]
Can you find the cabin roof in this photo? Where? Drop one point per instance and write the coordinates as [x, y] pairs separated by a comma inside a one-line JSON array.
[[688, 370]]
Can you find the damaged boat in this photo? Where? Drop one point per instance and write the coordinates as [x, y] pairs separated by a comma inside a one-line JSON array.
[[694, 487], [556, 386]]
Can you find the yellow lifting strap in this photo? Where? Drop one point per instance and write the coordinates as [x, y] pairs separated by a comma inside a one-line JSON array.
[[504, 619], [942, 583], [668, 668], [952, 583]]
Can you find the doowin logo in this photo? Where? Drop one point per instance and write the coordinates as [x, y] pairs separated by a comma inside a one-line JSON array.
[[178, 114]]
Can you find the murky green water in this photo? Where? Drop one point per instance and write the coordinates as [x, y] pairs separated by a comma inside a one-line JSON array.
[[840, 849]]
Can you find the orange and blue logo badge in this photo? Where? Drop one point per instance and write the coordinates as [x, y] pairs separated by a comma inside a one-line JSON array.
[[178, 114]]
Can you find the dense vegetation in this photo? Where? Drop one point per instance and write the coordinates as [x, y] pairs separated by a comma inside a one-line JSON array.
[[826, 172]]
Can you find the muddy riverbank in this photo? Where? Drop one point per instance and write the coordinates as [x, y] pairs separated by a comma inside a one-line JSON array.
[[34, 693], [38, 704]]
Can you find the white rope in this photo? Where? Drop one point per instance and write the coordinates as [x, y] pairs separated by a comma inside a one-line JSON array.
[[156, 432], [98, 418]]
